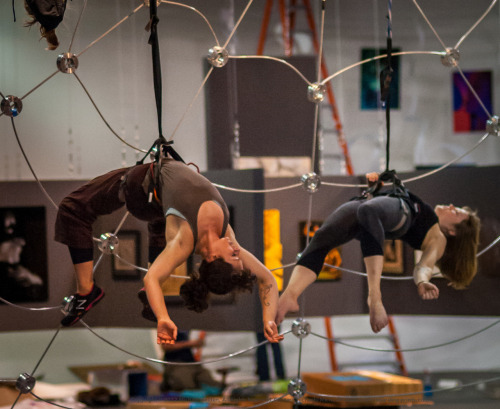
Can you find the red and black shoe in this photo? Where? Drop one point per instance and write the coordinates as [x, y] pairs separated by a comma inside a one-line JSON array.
[[77, 305], [147, 311]]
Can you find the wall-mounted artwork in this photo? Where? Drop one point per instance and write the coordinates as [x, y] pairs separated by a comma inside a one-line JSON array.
[[393, 257], [129, 252], [333, 258], [468, 113], [370, 78], [23, 254]]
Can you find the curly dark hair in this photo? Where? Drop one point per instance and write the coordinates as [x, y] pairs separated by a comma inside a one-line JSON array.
[[218, 277]]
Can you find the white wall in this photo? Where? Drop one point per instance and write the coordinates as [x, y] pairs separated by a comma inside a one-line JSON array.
[[65, 138], [20, 352]]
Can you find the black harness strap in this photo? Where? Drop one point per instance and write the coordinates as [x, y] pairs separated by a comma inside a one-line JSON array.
[[161, 144]]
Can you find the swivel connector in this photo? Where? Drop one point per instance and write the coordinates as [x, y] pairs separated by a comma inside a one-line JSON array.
[[108, 243], [67, 63], [316, 92], [301, 328], [218, 56], [451, 58], [310, 182], [25, 383], [11, 106]]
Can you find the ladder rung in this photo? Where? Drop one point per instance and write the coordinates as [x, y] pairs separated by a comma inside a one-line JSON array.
[[370, 363], [357, 337]]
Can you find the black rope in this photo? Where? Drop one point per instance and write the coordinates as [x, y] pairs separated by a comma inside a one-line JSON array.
[[14, 10], [161, 144], [155, 49], [385, 97]]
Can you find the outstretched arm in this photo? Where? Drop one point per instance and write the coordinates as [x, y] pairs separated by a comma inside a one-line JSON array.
[[177, 251], [432, 250], [268, 289]]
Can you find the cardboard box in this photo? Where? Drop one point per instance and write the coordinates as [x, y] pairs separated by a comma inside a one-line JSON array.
[[361, 383]]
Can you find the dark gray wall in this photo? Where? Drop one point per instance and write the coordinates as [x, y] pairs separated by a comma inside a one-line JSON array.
[[475, 187], [120, 307]]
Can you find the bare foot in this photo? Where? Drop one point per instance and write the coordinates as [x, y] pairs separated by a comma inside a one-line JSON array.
[[378, 316], [286, 304]]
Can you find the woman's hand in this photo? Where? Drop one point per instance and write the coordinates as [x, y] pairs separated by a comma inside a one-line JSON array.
[[428, 291], [271, 332], [372, 178], [166, 332]]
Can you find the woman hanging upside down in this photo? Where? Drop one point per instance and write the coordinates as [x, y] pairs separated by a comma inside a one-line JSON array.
[[185, 215], [447, 235]]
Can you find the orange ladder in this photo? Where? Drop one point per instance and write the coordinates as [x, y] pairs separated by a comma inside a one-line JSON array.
[[399, 364], [288, 21]]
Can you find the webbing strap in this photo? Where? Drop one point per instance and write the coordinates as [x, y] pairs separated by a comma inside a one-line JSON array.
[[385, 85], [155, 51], [161, 144]]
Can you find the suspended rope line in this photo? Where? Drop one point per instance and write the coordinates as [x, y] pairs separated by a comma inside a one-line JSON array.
[[207, 76], [321, 38], [267, 402], [109, 31], [76, 26], [267, 57], [471, 88], [39, 85], [489, 247], [409, 349], [475, 24], [155, 54], [159, 361], [27, 308], [191, 103], [429, 24], [104, 119], [278, 189], [198, 12], [393, 278], [121, 222], [31, 168], [46, 350], [485, 136], [238, 23], [385, 86], [50, 402], [379, 57]]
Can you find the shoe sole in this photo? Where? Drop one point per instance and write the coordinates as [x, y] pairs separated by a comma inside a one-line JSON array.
[[91, 305]]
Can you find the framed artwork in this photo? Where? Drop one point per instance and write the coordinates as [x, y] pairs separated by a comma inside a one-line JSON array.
[[468, 114], [393, 257], [370, 78], [333, 258], [23, 254], [129, 252]]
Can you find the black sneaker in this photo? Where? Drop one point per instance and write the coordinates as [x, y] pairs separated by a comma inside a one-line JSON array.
[[147, 311], [76, 305]]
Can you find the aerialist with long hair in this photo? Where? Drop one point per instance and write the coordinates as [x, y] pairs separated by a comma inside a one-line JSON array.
[[447, 235], [185, 214]]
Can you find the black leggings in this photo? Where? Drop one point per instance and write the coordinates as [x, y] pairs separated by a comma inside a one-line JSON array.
[[365, 220]]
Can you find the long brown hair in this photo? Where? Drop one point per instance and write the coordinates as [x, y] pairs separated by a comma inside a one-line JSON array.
[[49, 35], [459, 261]]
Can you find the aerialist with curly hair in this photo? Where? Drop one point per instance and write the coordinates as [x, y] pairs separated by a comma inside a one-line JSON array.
[[186, 214], [447, 235]]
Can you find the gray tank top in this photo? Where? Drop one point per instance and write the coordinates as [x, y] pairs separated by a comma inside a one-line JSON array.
[[183, 191]]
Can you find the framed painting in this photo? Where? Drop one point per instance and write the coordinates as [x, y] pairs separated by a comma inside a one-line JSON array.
[[393, 257], [128, 256], [23, 254], [468, 112], [370, 78]]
